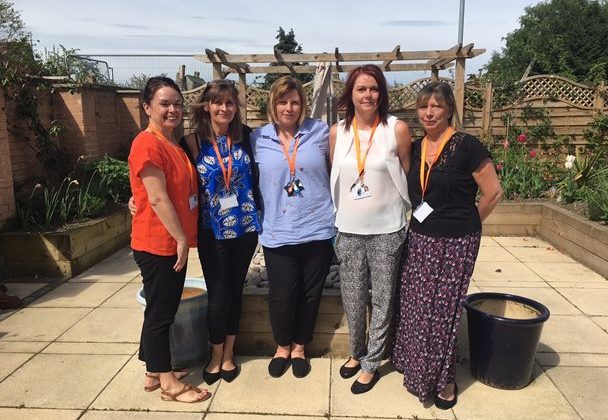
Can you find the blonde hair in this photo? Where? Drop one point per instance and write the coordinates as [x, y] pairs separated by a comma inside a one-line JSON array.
[[281, 87]]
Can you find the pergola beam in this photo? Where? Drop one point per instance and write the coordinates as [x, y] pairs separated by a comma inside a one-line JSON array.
[[387, 63], [341, 68], [240, 68], [281, 61]]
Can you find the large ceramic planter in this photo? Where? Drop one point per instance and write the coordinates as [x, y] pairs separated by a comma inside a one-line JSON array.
[[189, 333], [504, 331], [67, 252]]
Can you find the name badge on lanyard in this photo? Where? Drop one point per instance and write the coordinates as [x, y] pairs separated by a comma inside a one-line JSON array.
[[359, 189], [228, 202], [294, 187]]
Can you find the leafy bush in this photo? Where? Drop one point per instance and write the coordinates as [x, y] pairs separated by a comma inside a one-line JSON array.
[[114, 175], [596, 197]]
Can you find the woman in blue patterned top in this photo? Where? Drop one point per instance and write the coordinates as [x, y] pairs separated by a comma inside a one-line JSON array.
[[292, 154], [228, 222]]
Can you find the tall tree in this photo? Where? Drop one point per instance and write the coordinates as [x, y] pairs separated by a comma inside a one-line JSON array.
[[286, 44], [565, 37]]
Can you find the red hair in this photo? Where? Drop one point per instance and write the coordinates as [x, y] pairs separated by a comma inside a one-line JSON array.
[[346, 100]]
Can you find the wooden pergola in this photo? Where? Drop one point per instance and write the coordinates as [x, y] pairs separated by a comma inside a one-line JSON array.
[[225, 63]]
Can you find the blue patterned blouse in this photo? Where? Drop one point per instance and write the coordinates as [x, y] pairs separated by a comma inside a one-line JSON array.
[[236, 221]]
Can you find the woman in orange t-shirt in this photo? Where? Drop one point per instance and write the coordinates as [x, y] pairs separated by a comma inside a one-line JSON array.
[[164, 227]]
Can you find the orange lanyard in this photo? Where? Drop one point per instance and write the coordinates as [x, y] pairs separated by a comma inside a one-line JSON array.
[[361, 160], [226, 173], [157, 133], [425, 175], [291, 160]]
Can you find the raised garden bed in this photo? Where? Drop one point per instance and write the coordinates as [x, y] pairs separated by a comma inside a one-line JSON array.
[[67, 252]]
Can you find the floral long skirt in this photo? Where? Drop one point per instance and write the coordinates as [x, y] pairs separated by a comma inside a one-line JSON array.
[[435, 279]]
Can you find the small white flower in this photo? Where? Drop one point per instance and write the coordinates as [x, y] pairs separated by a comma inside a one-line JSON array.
[[569, 161]]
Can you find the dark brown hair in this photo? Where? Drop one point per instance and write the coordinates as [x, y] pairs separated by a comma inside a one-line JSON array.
[[216, 91], [154, 84], [346, 100]]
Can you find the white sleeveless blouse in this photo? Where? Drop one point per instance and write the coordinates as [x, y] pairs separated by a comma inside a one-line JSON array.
[[383, 212]]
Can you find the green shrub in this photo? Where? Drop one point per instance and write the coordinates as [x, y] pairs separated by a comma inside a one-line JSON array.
[[596, 197]]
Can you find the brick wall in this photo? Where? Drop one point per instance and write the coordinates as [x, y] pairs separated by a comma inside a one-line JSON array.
[[131, 119], [7, 197]]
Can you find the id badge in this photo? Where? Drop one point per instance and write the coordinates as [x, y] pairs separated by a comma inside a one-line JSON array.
[[228, 202], [360, 191], [422, 211], [193, 202]]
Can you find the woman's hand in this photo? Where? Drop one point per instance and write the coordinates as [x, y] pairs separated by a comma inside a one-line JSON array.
[[182, 255], [131, 205], [487, 181]]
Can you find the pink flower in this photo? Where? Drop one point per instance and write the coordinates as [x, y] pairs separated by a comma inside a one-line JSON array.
[[532, 153], [505, 144], [498, 167], [522, 138]]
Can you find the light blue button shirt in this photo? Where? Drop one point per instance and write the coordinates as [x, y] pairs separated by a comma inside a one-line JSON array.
[[300, 218]]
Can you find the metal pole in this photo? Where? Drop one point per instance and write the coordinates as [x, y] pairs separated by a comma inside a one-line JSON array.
[[461, 22]]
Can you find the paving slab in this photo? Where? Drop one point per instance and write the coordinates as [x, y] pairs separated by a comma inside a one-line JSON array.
[[38, 414], [92, 348], [512, 284], [590, 301], [565, 271], [139, 415], [520, 241], [495, 254], [40, 324], [572, 359], [584, 387], [387, 399], [107, 325], [124, 298], [540, 400], [238, 416], [547, 254], [256, 392], [488, 241], [23, 290], [77, 295], [11, 361], [504, 271], [556, 303], [573, 334], [59, 381], [125, 392], [577, 285], [602, 321], [117, 268], [22, 346], [194, 268]]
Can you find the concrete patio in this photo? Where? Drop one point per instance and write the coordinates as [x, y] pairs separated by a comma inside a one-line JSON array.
[[71, 353]]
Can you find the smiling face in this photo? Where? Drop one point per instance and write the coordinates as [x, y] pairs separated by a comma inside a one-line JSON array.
[[366, 94], [288, 109], [221, 112], [434, 116], [165, 109]]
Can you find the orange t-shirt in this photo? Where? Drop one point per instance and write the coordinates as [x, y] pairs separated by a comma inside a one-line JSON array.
[[148, 233]]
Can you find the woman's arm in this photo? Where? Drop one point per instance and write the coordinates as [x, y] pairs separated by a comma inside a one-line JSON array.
[[404, 144], [487, 181], [155, 184]]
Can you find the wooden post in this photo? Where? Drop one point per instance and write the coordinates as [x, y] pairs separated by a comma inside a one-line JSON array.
[[598, 103], [486, 119], [217, 71], [243, 96], [459, 91], [434, 75]]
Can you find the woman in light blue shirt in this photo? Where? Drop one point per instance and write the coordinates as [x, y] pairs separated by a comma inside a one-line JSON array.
[[292, 154]]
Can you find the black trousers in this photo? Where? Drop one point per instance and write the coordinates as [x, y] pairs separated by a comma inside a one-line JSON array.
[[163, 290], [225, 263], [296, 276]]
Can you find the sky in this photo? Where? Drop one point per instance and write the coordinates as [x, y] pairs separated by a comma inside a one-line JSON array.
[[241, 26]]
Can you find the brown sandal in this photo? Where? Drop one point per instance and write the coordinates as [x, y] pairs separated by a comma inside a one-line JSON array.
[[152, 388], [166, 396]]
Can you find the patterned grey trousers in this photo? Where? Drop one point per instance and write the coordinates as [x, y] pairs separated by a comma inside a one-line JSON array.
[[366, 259]]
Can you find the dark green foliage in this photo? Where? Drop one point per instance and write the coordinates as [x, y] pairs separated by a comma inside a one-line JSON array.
[[564, 37]]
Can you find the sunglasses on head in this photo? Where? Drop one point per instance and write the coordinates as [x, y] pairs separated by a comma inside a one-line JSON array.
[[222, 82]]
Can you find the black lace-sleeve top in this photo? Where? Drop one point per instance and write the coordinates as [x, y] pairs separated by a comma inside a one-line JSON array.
[[451, 188]]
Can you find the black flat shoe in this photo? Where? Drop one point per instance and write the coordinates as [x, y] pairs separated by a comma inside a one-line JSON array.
[[277, 366], [211, 378], [348, 372], [359, 388], [230, 375], [300, 367], [447, 404]]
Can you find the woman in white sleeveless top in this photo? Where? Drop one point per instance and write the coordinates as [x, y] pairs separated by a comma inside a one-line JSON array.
[[370, 153]]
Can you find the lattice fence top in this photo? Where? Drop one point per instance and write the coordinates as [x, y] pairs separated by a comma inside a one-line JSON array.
[[557, 88]]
